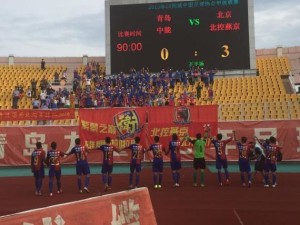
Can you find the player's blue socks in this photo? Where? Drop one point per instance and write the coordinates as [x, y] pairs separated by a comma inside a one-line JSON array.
[[130, 178], [274, 179], [249, 177], [109, 180], [219, 176], [242, 177], [226, 174], [36, 183], [79, 183], [50, 184], [40, 182], [155, 179], [177, 177], [160, 176], [104, 179], [58, 184], [174, 176], [266, 178]]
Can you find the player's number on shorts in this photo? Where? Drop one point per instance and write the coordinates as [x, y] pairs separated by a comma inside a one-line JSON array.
[[226, 51]]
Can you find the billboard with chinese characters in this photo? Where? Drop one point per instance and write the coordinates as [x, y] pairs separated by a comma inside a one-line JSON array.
[[17, 143], [127, 207]]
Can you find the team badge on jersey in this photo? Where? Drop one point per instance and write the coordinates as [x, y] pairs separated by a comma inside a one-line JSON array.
[[182, 115], [127, 124]]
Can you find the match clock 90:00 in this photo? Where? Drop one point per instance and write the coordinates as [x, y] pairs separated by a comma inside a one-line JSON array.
[[131, 47]]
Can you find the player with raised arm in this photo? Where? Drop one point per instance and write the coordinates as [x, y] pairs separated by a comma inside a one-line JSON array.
[[82, 165], [107, 164], [136, 157], [157, 163], [53, 162], [199, 155], [38, 157], [221, 158], [244, 154], [174, 148], [273, 154]]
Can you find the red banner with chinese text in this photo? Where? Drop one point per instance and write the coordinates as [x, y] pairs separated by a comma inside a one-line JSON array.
[[17, 143], [127, 207], [36, 114], [287, 133], [123, 124]]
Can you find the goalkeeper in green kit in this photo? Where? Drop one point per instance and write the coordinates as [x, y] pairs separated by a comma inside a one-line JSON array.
[[199, 155]]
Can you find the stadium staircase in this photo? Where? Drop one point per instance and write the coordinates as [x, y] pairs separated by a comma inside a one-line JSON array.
[[287, 85]]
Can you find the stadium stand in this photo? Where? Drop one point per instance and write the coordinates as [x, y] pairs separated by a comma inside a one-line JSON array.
[[20, 76], [261, 97]]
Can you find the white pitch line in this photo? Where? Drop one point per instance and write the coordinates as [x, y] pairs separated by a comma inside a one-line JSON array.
[[238, 217]]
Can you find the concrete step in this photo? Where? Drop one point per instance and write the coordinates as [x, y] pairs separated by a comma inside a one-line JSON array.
[[287, 85]]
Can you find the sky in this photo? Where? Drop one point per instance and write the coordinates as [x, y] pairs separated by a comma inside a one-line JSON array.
[[77, 27]]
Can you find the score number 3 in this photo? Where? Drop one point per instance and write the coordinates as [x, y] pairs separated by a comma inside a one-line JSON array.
[[226, 52]]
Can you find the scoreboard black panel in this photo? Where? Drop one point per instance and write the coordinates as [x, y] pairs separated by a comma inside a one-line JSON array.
[[180, 35]]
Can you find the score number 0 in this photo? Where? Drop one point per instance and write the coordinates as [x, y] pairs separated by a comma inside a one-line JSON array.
[[164, 54]]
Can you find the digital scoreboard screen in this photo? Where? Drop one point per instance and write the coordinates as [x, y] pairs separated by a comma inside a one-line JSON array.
[[180, 35]]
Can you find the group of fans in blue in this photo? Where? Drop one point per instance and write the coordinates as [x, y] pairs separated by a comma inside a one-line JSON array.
[[138, 88], [265, 153]]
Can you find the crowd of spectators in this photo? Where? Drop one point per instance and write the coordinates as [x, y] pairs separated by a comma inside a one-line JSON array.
[[139, 88], [93, 89]]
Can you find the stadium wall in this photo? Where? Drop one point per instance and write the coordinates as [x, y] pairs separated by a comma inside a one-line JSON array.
[[70, 62]]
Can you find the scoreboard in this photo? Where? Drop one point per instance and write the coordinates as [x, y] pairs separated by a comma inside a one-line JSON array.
[[178, 35]]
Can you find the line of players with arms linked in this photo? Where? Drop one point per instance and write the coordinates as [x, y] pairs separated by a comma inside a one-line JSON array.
[[265, 153]]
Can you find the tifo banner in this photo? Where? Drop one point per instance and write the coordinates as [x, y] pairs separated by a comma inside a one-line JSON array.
[[36, 114], [18, 143], [123, 124], [124, 208]]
